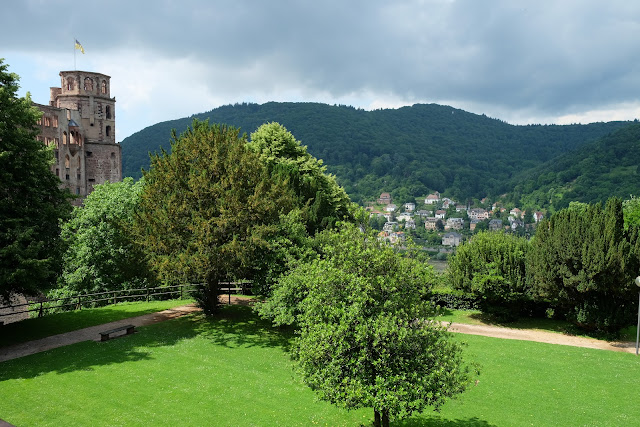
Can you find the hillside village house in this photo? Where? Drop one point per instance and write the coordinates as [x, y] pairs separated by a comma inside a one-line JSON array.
[[440, 214], [537, 217], [451, 239], [410, 223], [432, 199], [495, 224], [390, 208], [430, 223], [515, 212], [478, 213], [454, 224], [446, 203], [384, 199], [409, 207], [405, 216]]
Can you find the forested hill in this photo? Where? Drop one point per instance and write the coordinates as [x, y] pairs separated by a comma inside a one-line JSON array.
[[409, 151], [609, 166]]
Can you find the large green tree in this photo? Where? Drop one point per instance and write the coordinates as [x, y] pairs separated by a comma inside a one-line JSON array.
[[101, 253], [31, 204], [492, 267], [366, 334], [209, 210], [582, 262], [321, 200]]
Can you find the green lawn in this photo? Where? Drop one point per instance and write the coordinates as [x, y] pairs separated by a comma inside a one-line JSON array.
[[234, 370], [59, 323]]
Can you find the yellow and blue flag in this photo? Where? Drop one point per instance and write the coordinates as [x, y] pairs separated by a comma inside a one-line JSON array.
[[79, 46]]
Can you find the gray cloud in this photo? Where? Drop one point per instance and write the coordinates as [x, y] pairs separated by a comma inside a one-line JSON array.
[[546, 58]]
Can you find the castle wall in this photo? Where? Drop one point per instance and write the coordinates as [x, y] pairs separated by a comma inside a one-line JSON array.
[[79, 123]]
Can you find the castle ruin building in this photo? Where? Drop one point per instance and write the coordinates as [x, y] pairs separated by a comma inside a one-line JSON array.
[[79, 123]]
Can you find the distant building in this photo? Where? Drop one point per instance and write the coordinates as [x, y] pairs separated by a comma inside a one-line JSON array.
[[451, 239], [432, 199], [79, 123], [454, 224], [495, 225], [384, 199], [409, 207]]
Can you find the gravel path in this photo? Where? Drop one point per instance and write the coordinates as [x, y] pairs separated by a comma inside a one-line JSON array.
[[92, 333]]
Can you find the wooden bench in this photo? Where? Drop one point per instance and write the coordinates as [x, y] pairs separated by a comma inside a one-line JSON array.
[[104, 336]]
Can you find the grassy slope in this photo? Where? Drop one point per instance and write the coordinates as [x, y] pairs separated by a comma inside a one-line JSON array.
[[36, 328], [234, 370]]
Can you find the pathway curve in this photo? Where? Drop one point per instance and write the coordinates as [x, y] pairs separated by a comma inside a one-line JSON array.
[[93, 333], [542, 336]]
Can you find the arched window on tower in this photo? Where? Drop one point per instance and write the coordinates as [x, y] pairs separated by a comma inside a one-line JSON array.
[[108, 111], [104, 87], [88, 84], [67, 161], [70, 83], [108, 130], [65, 138]]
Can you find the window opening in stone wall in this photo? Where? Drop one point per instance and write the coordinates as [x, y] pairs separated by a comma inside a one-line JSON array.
[[108, 130], [55, 154], [104, 87], [67, 161], [113, 155], [65, 138], [39, 122], [70, 83], [57, 142], [47, 121], [57, 172], [78, 191], [67, 177], [88, 84], [108, 111], [89, 153], [92, 180], [79, 163], [55, 121]]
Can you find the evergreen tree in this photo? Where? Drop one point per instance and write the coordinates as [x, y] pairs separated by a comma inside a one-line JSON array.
[[582, 262], [209, 209], [31, 204]]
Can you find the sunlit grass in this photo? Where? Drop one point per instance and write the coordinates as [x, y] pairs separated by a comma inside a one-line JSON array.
[[31, 329], [234, 370]]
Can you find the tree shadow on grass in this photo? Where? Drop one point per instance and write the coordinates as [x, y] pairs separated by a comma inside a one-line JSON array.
[[233, 326], [240, 326], [435, 421]]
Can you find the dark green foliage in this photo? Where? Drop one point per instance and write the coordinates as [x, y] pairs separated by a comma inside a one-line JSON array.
[[582, 262], [366, 338], [321, 200], [31, 205], [607, 167], [492, 268], [409, 151], [102, 254], [209, 210], [454, 299]]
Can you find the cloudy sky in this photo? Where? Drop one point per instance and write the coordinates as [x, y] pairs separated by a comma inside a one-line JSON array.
[[523, 62]]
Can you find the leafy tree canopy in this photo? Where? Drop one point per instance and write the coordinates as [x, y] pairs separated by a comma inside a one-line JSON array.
[[102, 254], [31, 204], [319, 196], [366, 336]]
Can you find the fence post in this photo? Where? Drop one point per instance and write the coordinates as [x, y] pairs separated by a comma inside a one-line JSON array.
[[115, 298], [147, 293], [40, 313], [79, 302]]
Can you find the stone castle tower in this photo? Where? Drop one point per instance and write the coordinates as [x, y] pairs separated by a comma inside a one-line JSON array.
[[80, 124]]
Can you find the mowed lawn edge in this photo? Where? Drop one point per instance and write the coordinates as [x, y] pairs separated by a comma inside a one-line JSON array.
[[234, 369], [58, 323]]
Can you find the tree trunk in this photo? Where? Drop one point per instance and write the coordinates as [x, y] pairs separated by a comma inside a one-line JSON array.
[[385, 418], [376, 419]]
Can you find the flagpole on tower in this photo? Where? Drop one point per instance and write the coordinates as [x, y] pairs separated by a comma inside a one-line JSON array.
[[74, 54]]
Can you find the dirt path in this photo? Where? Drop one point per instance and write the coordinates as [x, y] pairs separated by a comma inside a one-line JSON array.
[[542, 336], [92, 333]]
